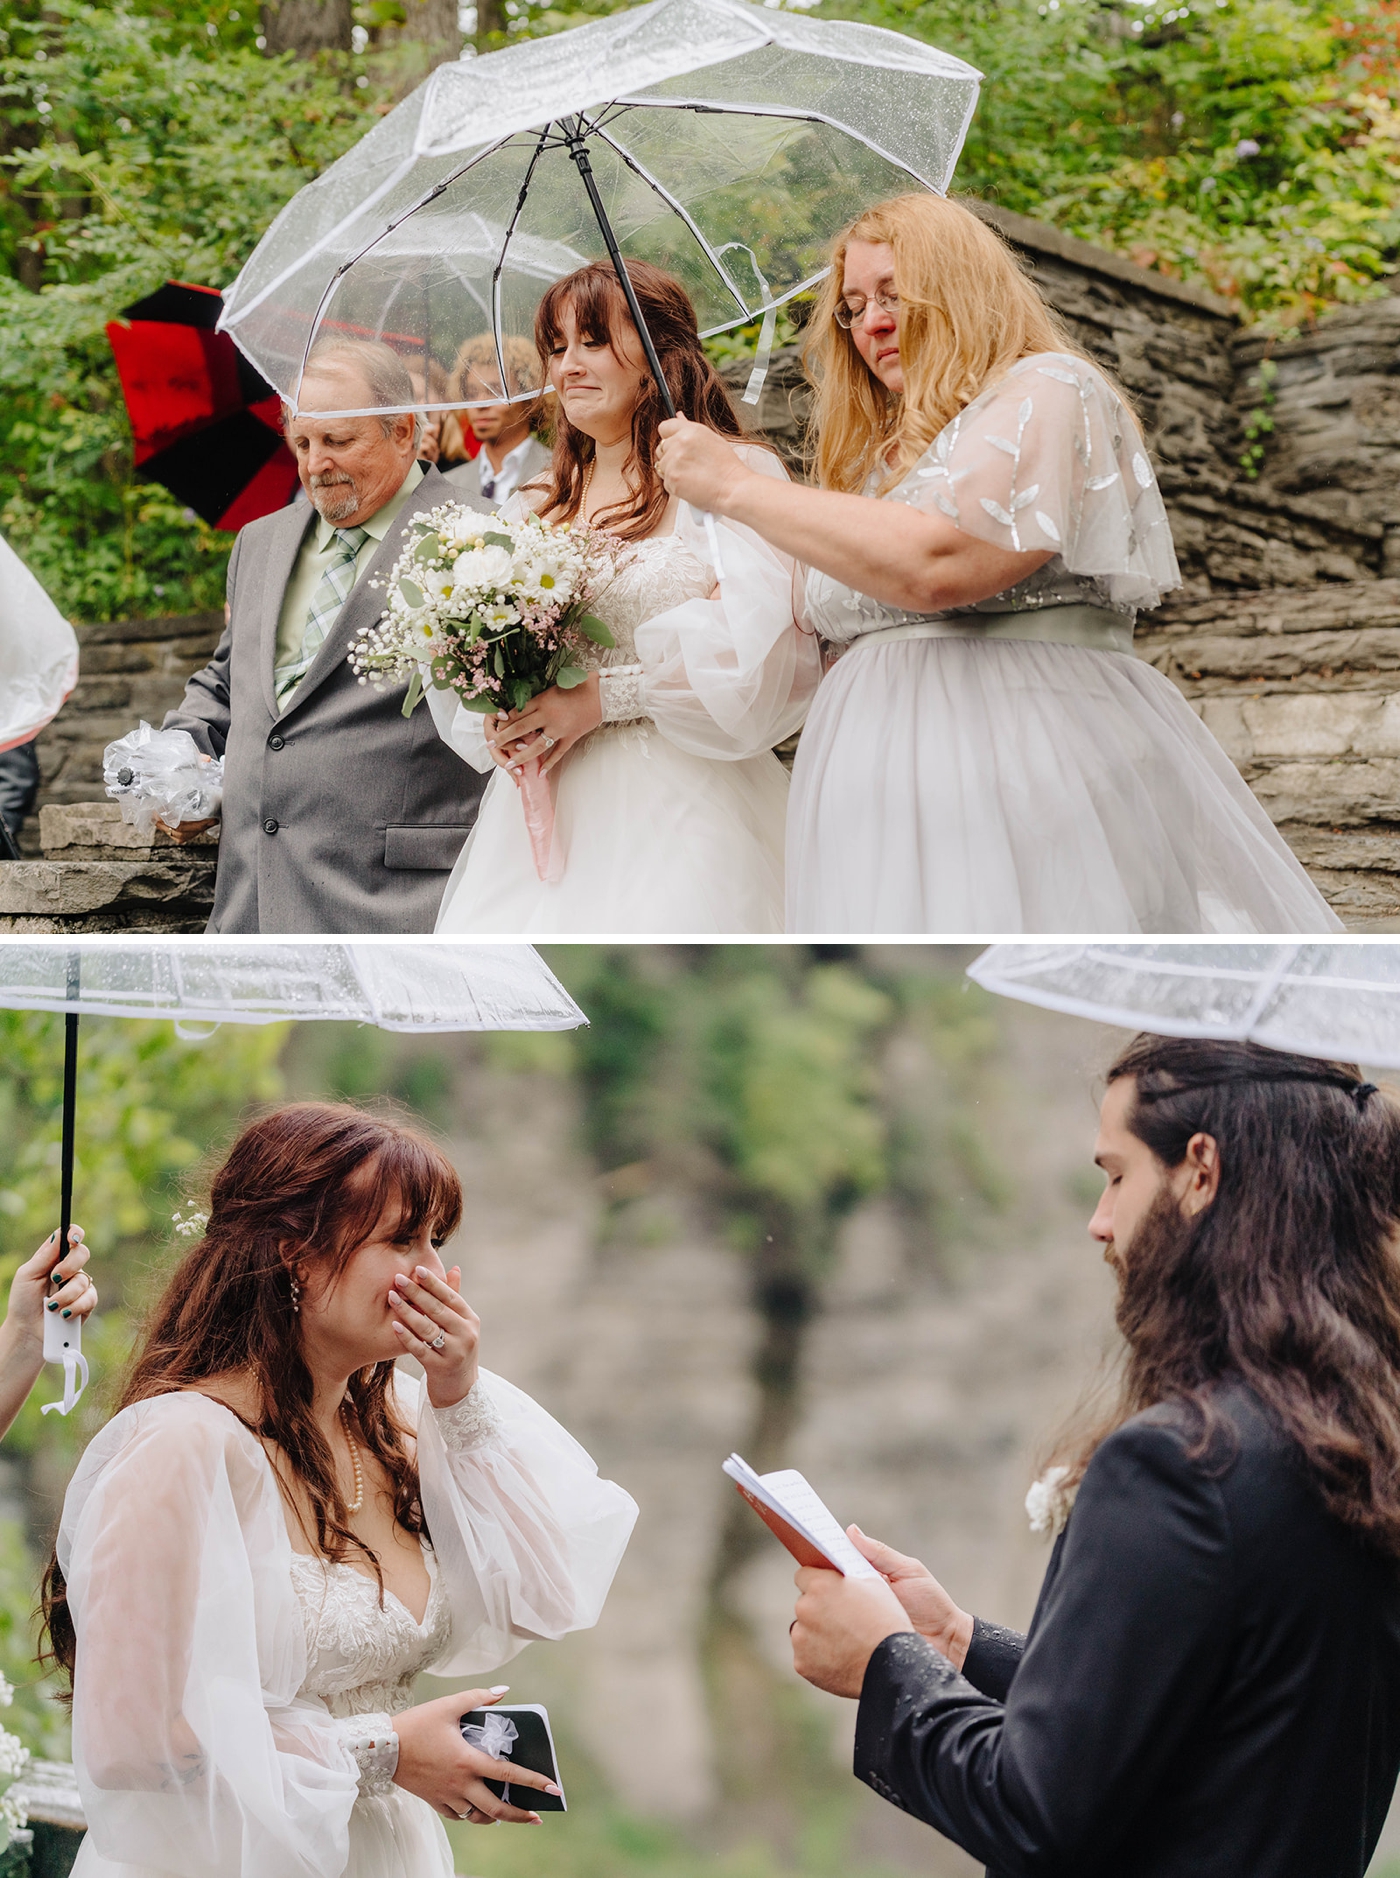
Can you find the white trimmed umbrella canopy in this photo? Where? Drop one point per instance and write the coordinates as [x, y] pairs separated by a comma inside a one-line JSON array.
[[413, 988], [1336, 1002], [725, 142]]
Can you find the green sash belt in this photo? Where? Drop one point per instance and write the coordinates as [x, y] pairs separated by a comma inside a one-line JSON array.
[[1091, 626]]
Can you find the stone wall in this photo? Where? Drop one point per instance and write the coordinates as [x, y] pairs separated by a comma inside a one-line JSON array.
[[1285, 635]]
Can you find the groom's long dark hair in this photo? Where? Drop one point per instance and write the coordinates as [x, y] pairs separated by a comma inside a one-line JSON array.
[[305, 1185], [1289, 1281]]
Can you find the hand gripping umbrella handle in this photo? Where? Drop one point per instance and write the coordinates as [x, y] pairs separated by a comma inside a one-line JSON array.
[[578, 150]]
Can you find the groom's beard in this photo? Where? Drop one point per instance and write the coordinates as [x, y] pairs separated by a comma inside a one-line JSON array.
[[1145, 1266]]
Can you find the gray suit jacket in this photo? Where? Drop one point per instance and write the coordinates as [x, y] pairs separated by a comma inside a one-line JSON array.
[[340, 814], [466, 475]]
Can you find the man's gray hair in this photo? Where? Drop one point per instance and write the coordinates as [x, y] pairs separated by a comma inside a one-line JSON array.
[[386, 377]]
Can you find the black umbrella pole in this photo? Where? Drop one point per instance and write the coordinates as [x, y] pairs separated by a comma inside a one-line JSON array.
[[578, 150], [70, 1104]]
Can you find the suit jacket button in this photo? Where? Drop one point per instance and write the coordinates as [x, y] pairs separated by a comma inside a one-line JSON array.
[[269, 826], [275, 743]]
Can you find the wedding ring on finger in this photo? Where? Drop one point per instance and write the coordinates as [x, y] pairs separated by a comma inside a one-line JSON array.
[[438, 1340], [549, 742]]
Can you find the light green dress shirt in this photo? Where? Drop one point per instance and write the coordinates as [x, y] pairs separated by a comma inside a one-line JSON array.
[[313, 560]]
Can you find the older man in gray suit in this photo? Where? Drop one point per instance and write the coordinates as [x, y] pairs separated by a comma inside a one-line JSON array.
[[339, 814]]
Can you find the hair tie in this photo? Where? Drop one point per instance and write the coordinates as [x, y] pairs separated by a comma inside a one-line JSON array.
[[1360, 1091]]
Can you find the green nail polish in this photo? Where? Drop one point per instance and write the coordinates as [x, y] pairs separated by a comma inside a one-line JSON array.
[[53, 1304], [67, 1313]]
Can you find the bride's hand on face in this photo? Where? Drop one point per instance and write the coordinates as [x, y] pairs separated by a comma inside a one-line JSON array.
[[438, 1765], [548, 727], [698, 466], [435, 1324]]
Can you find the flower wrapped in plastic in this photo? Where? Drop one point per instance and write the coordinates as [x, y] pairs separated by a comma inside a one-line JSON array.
[[497, 612]]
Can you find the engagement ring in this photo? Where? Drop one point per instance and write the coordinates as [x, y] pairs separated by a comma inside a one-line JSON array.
[[549, 742], [438, 1340]]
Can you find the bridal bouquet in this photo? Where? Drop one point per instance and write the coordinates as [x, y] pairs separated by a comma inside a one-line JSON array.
[[496, 612]]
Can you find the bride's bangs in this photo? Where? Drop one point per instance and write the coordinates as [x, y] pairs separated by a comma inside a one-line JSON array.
[[402, 1171]]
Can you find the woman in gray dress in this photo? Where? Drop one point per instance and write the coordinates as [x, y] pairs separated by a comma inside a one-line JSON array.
[[987, 755]]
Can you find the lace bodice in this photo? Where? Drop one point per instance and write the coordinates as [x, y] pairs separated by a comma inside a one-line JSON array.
[[362, 1659], [659, 573]]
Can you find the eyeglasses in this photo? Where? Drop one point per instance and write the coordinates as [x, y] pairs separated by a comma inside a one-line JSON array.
[[851, 311]]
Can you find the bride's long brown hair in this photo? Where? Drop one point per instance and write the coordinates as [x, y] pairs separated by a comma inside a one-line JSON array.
[[596, 300], [303, 1186]]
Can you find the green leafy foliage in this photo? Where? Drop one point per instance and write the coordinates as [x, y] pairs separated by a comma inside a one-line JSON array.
[[1250, 145], [138, 143]]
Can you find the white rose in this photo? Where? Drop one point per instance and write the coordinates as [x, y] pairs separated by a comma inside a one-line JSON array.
[[487, 568], [1048, 1502]]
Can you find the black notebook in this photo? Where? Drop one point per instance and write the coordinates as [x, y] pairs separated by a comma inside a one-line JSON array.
[[531, 1746]]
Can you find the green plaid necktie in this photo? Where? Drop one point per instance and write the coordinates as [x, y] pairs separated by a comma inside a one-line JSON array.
[[332, 591]]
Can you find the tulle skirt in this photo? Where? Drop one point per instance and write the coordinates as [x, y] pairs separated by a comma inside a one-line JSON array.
[[997, 786], [654, 840], [394, 1835], [397, 1835]]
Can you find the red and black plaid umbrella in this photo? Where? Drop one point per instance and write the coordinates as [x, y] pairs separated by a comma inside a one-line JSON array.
[[205, 423]]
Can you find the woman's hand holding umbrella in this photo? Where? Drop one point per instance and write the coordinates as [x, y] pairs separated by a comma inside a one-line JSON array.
[[32, 1297]]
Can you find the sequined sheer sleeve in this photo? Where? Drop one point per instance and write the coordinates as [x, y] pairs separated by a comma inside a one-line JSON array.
[[1049, 458], [195, 1753], [527, 1536]]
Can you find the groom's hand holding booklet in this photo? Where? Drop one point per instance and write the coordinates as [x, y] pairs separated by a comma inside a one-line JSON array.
[[791, 1509]]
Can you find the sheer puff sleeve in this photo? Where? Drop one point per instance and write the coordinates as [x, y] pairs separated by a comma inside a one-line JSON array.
[[732, 674], [194, 1754], [527, 1536], [1049, 458]]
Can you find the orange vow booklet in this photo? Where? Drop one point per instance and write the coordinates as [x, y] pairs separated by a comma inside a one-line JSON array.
[[791, 1510]]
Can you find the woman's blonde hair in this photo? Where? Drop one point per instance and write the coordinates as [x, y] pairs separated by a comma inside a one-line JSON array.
[[967, 313]]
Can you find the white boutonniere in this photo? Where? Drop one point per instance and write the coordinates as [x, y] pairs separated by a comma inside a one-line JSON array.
[[1049, 1501]]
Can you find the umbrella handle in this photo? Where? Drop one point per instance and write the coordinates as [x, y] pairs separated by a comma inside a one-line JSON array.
[[70, 1104]]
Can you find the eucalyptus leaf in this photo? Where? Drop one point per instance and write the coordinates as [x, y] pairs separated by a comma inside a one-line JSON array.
[[413, 594], [593, 628], [568, 676], [414, 695], [495, 539]]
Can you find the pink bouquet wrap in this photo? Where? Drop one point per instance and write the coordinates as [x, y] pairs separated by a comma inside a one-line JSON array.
[[537, 800]]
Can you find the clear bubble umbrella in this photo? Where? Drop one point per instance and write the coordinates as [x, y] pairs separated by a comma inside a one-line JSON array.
[[200, 984], [728, 143], [1335, 1001]]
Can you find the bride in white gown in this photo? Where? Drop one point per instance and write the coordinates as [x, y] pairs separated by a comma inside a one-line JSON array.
[[986, 754], [669, 804], [279, 1531]]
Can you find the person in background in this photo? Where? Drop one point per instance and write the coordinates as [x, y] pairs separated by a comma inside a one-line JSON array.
[[430, 388], [19, 788], [32, 1297], [511, 455]]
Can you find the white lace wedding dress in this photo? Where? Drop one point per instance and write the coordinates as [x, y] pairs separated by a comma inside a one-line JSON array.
[[670, 816], [232, 1696], [1011, 767]]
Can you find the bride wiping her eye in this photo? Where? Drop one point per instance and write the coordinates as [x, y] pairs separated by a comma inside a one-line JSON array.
[[670, 807], [280, 1530]]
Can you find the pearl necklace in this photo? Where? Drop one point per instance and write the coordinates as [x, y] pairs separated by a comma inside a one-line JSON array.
[[583, 492], [353, 1506]]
